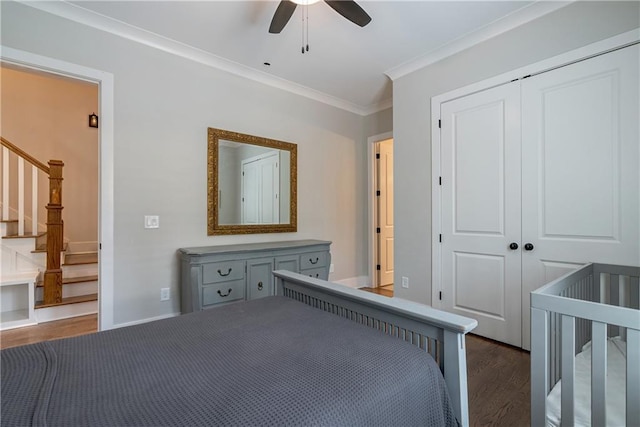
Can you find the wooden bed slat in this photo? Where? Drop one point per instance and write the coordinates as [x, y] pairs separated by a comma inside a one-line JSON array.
[[568, 369], [634, 292], [539, 364], [633, 377], [598, 373], [615, 300]]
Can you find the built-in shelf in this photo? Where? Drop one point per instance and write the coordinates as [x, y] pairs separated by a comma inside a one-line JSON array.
[[17, 300]]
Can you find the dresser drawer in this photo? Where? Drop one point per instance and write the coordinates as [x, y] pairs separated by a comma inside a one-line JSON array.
[[217, 272], [316, 273], [223, 292], [313, 260]]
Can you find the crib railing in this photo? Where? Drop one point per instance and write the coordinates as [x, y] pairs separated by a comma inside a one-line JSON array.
[[592, 303]]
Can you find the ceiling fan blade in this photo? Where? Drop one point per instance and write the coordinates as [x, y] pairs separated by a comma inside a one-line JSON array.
[[350, 10], [281, 17]]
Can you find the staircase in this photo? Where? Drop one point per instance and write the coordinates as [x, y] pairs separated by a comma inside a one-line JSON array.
[[41, 279]]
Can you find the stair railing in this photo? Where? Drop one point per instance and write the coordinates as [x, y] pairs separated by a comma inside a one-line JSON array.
[[55, 225]]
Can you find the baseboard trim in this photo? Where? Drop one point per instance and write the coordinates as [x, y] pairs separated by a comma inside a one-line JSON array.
[[147, 320], [355, 282], [59, 312]]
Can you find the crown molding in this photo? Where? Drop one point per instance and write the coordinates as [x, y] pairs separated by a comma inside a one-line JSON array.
[[101, 22], [113, 26], [502, 25]]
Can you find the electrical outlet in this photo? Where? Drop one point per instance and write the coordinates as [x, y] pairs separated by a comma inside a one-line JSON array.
[[331, 269], [405, 282], [151, 221], [164, 294]]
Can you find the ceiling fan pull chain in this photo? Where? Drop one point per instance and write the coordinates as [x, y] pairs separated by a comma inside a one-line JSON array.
[[302, 48], [306, 8]]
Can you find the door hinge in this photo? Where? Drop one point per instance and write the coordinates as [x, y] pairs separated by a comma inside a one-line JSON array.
[[378, 230], [100, 246], [440, 238], [439, 124], [439, 180], [377, 192], [378, 156], [440, 295], [378, 267]]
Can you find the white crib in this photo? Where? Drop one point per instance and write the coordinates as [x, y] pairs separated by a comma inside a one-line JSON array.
[[576, 318]]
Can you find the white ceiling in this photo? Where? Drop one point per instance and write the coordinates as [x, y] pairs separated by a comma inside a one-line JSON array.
[[346, 65]]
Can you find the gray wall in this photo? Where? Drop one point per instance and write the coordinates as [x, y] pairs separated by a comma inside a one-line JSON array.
[[163, 106], [571, 27]]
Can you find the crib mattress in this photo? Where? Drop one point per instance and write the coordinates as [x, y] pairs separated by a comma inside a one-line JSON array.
[[616, 374]]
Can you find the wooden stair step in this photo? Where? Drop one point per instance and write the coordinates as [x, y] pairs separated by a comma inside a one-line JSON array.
[[69, 300], [6, 221], [78, 258], [25, 236], [73, 280]]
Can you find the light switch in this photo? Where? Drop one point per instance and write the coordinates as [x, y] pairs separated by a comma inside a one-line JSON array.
[[151, 221]]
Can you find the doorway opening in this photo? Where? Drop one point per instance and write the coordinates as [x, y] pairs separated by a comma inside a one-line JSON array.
[[104, 81], [62, 106], [383, 216]]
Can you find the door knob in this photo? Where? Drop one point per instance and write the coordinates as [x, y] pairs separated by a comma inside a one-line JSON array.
[[528, 247], [513, 246]]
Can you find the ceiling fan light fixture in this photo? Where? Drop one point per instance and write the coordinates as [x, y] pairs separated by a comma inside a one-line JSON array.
[[305, 2]]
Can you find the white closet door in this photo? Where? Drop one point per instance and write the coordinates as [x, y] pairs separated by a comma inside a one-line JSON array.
[[480, 164], [269, 190], [250, 193], [261, 189], [580, 180]]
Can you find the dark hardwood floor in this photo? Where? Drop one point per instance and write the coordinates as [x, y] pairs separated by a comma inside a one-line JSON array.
[[387, 290], [498, 377], [498, 374]]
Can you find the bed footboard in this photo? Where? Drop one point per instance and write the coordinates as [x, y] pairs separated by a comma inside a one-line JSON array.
[[437, 332]]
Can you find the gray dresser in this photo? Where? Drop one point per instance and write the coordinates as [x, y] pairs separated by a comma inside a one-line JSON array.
[[216, 275]]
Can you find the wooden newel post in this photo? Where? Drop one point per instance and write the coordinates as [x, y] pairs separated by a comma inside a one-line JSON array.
[[55, 231]]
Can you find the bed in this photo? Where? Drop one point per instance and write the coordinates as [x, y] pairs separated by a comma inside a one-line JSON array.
[[585, 348], [313, 354]]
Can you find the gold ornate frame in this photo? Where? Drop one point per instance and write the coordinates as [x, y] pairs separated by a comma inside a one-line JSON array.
[[213, 226]]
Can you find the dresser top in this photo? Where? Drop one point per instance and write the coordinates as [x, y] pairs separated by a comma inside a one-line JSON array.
[[250, 247]]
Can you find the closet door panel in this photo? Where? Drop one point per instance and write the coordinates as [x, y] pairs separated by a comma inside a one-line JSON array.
[[580, 162], [480, 164]]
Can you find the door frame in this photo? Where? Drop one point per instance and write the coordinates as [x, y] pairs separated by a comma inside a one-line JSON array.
[[598, 48], [371, 203], [104, 81]]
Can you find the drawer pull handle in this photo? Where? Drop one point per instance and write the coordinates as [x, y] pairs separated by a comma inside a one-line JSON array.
[[314, 262], [260, 286], [317, 275], [228, 272], [225, 295]]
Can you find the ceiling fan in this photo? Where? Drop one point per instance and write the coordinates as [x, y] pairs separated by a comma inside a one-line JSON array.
[[347, 8]]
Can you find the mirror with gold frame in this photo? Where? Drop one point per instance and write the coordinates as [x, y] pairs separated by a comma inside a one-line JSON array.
[[251, 184]]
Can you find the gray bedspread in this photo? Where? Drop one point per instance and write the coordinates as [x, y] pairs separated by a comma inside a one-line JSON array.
[[270, 362]]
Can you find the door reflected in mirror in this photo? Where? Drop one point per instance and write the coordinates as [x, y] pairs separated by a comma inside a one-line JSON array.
[[252, 184]]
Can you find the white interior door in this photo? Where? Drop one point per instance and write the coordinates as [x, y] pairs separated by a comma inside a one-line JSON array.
[[269, 190], [261, 190], [480, 165], [385, 212], [580, 185], [250, 192]]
